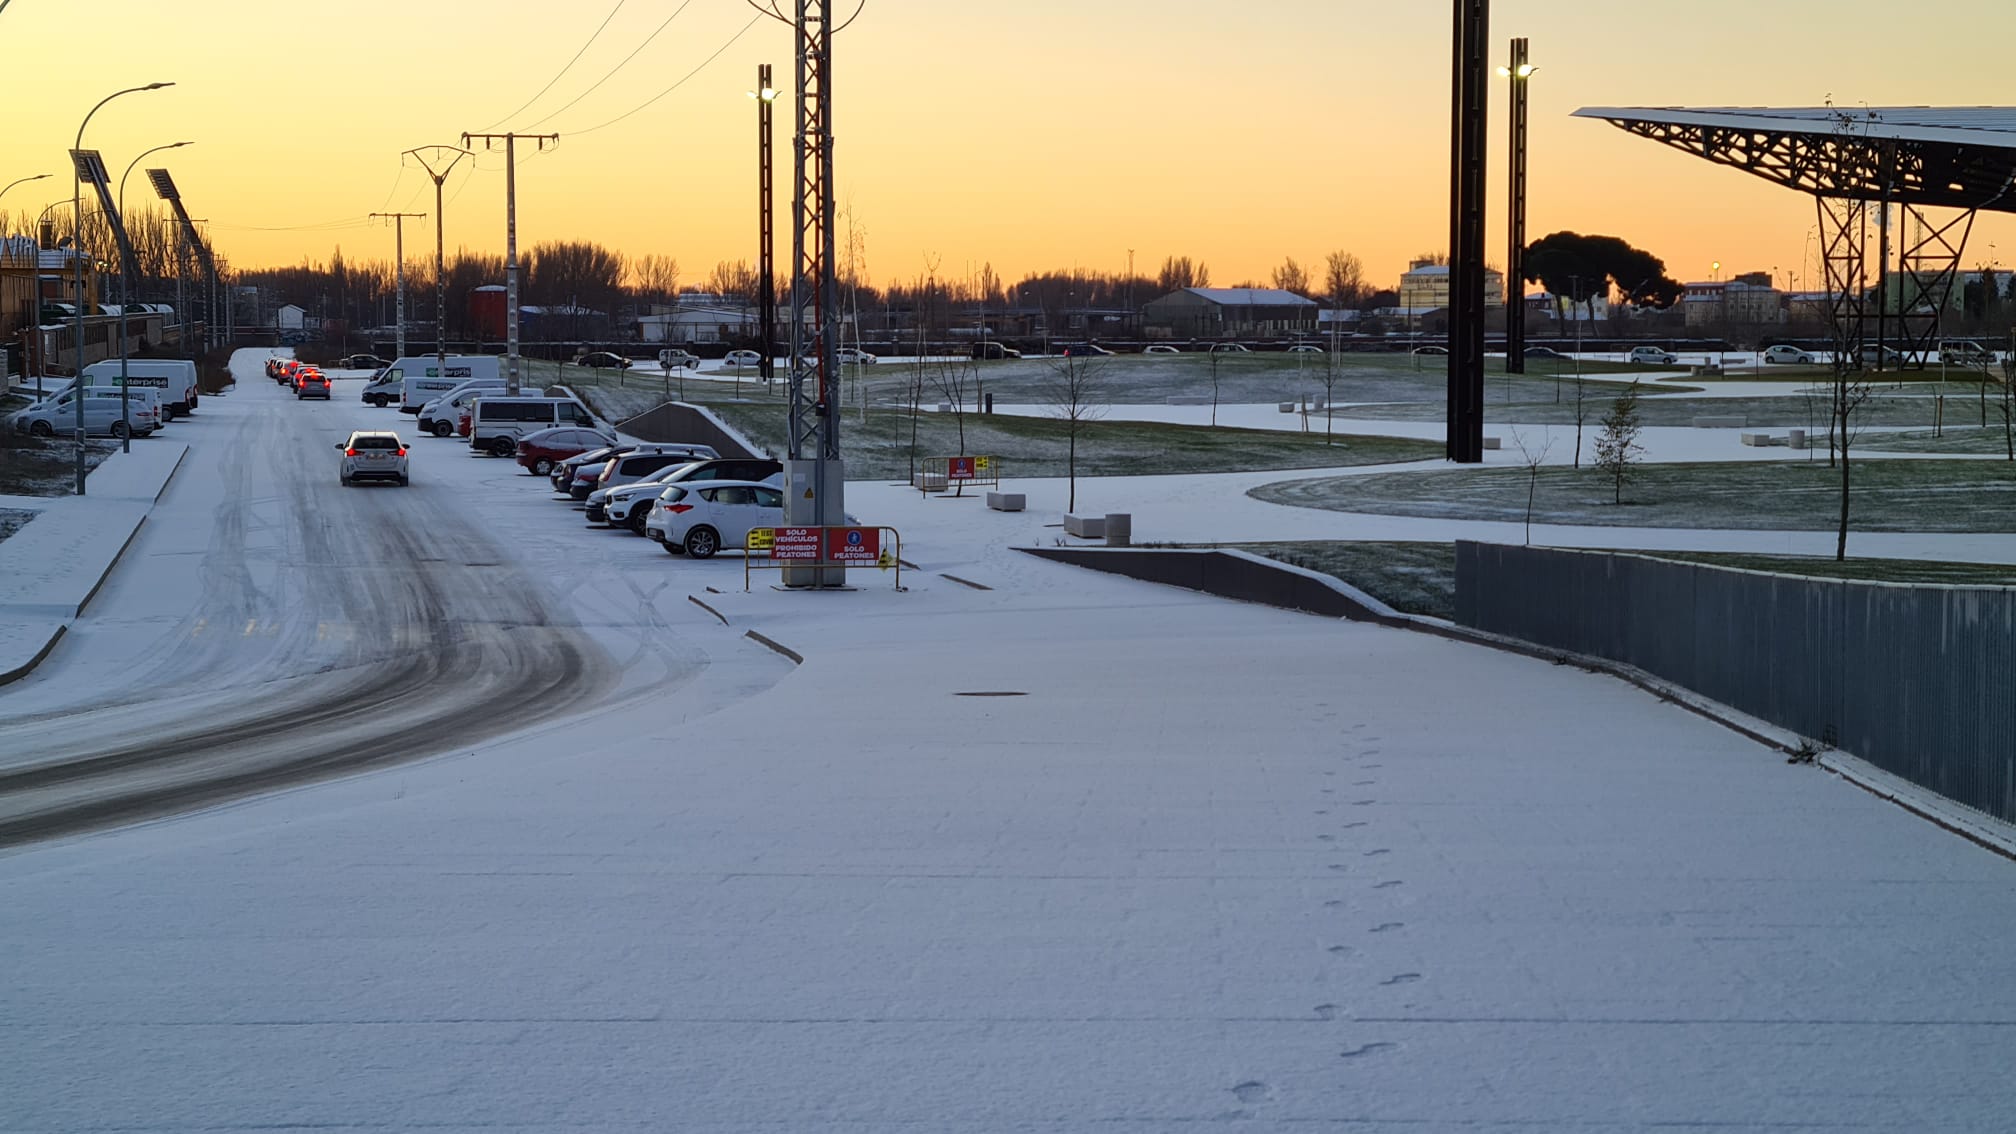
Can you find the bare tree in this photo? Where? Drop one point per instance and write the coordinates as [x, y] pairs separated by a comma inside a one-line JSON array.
[[655, 277], [1581, 412], [1344, 280], [2007, 403], [1178, 273], [1532, 461], [1072, 392], [1215, 356], [953, 380], [733, 279], [1617, 446], [1852, 391], [1291, 276], [1328, 380]]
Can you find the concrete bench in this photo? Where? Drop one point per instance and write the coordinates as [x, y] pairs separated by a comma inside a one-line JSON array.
[[1757, 439], [928, 481], [1119, 528], [1705, 369], [1006, 501], [1187, 400], [1493, 443], [1085, 527], [1721, 421], [1286, 407]]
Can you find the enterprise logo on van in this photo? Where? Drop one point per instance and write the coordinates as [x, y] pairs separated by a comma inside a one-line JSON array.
[[452, 372]]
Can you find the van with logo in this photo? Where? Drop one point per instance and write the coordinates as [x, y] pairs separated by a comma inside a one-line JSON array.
[[174, 377], [497, 422], [418, 379]]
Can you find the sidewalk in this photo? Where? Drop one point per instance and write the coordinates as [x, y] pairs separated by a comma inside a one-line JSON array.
[[50, 569]]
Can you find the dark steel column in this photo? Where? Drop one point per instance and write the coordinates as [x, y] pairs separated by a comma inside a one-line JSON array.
[[1515, 257], [766, 251], [1469, 100]]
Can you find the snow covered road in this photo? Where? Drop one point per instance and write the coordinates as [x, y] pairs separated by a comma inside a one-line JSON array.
[[271, 626]]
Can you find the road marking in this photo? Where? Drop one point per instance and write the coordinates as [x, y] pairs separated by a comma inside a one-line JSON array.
[[197, 630], [249, 624]]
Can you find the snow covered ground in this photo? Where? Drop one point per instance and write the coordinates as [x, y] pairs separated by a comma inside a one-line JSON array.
[[1214, 863]]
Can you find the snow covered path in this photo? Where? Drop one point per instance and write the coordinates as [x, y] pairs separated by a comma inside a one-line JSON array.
[[1215, 862]]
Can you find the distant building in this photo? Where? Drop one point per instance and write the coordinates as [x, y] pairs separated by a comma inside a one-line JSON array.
[[1748, 299], [290, 317], [1424, 286], [1208, 312]]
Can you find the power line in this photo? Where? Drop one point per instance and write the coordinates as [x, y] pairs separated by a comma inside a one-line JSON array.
[[675, 86], [618, 67], [563, 71]]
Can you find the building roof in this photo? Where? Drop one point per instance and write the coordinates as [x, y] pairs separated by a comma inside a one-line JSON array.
[[1251, 296], [1959, 157]]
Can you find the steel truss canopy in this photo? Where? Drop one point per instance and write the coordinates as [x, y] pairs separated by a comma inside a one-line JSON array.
[[1951, 157]]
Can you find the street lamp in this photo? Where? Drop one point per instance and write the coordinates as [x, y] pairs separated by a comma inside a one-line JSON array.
[[20, 180], [766, 249], [125, 301], [440, 257], [77, 257], [1515, 261]]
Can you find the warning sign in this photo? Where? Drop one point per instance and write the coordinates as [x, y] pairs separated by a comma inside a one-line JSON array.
[[795, 543], [762, 539], [853, 545]]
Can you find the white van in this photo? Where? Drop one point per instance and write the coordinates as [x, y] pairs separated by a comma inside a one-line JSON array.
[[443, 414], [150, 393], [105, 415], [419, 379], [177, 380], [496, 423]]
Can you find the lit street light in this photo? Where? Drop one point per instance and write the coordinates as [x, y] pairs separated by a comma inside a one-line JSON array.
[[20, 180], [125, 301], [766, 248], [1515, 267], [77, 257]]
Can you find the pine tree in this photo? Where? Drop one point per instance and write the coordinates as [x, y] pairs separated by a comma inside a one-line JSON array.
[[1617, 445]]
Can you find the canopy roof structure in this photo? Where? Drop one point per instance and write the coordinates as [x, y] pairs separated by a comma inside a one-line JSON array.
[[1909, 158], [1954, 157]]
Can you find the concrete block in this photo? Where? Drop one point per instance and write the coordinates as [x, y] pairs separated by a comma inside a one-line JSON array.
[[1006, 501], [1493, 443], [1287, 407], [1119, 529], [1755, 439], [928, 481], [1085, 527], [1721, 421], [1796, 438]]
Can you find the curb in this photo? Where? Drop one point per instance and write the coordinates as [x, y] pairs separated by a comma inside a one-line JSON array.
[[796, 657], [1340, 599], [107, 572], [23, 670]]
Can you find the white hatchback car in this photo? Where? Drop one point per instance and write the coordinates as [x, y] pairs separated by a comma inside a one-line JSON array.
[[1651, 356], [742, 358], [701, 519], [373, 455], [856, 354], [1160, 348], [1786, 353]]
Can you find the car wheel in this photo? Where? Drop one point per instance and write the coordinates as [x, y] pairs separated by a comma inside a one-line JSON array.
[[344, 479], [120, 430], [42, 429], [542, 467], [702, 542], [404, 480], [637, 517], [503, 446]]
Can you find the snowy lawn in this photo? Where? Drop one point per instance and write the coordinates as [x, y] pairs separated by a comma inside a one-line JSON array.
[[13, 520], [1888, 496], [47, 466], [1796, 407], [1992, 440]]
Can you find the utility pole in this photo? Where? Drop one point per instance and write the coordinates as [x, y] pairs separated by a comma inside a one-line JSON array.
[[447, 164], [399, 274], [510, 241], [766, 242], [1519, 70], [1469, 98]]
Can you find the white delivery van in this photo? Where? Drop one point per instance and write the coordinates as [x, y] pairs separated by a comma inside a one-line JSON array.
[[443, 414], [102, 415], [496, 423], [421, 378], [178, 375], [150, 393]]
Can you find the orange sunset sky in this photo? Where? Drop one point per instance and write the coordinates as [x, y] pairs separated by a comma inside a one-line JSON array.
[[1033, 134]]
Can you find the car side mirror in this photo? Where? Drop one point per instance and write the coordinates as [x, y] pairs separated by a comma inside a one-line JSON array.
[[339, 444]]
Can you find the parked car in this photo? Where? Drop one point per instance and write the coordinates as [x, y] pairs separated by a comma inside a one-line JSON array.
[[104, 415], [1160, 348], [540, 450], [310, 383], [1085, 350], [677, 359], [1228, 348], [373, 455], [742, 358], [627, 469], [1305, 348], [629, 505], [1786, 354], [1651, 356], [496, 422], [856, 354], [993, 351], [603, 360], [1542, 352], [1964, 352], [1431, 350], [701, 519], [360, 362]]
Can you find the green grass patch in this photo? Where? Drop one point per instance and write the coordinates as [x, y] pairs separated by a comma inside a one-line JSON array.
[[1889, 496], [879, 445]]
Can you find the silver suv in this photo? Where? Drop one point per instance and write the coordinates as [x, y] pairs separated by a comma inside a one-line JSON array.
[[373, 455]]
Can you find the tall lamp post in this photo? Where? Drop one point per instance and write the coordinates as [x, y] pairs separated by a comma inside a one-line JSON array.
[[440, 258], [125, 301], [10, 250], [1518, 71], [77, 257], [766, 247]]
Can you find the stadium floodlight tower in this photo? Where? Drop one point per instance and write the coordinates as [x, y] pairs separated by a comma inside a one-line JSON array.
[[814, 476], [1913, 158]]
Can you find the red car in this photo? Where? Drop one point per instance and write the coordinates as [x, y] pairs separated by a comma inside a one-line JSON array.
[[541, 449]]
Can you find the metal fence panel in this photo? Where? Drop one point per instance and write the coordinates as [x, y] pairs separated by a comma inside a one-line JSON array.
[[1914, 679]]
